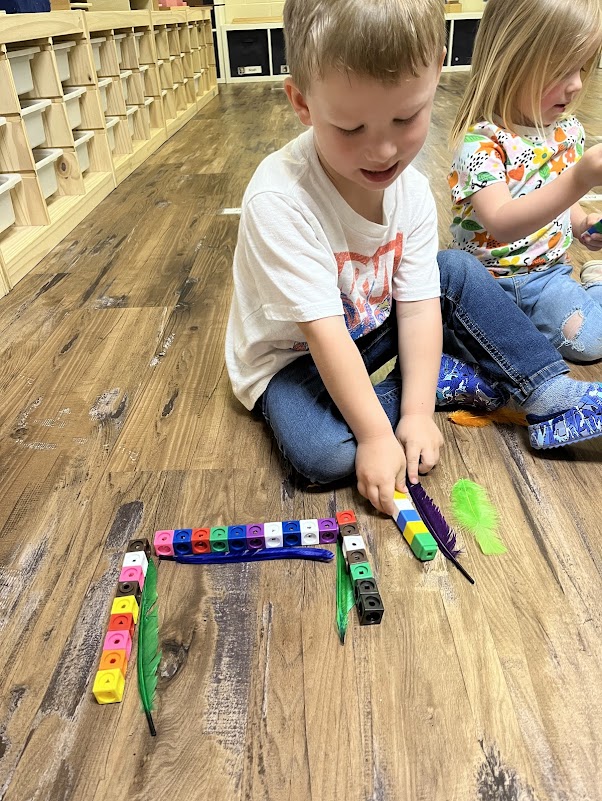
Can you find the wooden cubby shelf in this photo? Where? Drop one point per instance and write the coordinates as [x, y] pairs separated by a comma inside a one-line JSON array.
[[85, 99]]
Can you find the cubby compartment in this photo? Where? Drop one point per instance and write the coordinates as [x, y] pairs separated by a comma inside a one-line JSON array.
[[103, 87], [131, 113], [125, 75], [7, 212], [82, 141], [96, 44], [279, 65], [118, 39], [73, 105], [20, 64], [45, 161], [33, 112], [61, 54], [463, 36], [111, 123]]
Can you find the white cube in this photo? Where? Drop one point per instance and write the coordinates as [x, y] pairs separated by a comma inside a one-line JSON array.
[[136, 559], [310, 533], [353, 543]]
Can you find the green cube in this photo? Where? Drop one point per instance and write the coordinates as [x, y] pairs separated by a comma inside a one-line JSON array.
[[361, 570], [218, 539], [424, 547]]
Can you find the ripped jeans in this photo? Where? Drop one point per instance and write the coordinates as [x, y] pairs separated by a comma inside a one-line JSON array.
[[550, 298]]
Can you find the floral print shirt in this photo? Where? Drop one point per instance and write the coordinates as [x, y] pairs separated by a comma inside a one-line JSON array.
[[526, 161]]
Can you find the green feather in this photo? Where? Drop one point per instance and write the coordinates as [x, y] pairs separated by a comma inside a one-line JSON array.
[[474, 512], [149, 656], [345, 595]]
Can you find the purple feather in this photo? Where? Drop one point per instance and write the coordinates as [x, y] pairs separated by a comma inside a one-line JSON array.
[[443, 534]]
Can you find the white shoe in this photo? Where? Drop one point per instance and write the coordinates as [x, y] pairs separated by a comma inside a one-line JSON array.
[[591, 271]]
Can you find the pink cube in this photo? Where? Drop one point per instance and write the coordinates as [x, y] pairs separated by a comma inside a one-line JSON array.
[[132, 573], [164, 543], [118, 641]]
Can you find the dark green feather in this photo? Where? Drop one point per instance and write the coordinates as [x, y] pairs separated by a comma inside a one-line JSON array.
[[345, 596], [149, 654]]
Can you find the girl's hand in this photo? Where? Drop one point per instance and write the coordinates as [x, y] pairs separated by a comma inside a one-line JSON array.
[[422, 442], [591, 241], [380, 467]]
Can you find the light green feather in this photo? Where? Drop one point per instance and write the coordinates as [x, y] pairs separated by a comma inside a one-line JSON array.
[[149, 655], [476, 514], [345, 596]]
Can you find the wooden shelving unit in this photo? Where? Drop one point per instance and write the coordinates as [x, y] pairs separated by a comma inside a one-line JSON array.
[[93, 94]]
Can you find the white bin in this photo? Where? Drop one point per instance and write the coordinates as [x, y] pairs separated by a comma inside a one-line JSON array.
[[74, 112], [20, 63], [32, 112], [119, 37], [197, 82], [124, 75], [111, 123], [81, 140], [131, 111], [7, 213], [96, 45], [103, 84], [137, 37], [61, 53], [45, 159]]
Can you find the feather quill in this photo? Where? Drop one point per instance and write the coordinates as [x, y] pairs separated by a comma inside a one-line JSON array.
[[149, 655], [463, 417], [443, 534], [345, 595], [474, 511]]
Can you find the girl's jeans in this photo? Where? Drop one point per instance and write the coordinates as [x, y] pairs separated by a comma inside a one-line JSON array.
[[549, 298], [477, 313]]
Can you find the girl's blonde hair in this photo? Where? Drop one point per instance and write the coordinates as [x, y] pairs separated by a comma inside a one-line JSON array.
[[381, 39], [522, 49]]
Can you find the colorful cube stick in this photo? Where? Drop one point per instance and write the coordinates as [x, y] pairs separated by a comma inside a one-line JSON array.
[[109, 682], [413, 528], [368, 602], [254, 536]]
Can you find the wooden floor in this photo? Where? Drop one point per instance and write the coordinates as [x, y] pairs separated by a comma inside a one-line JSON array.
[[117, 420]]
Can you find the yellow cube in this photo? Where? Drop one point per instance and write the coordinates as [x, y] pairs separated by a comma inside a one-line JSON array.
[[399, 495], [109, 686], [412, 528], [124, 604]]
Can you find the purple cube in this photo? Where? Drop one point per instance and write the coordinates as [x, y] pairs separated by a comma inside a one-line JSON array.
[[329, 529], [255, 537]]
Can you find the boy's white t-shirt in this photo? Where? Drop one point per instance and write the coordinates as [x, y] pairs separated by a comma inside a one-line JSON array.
[[304, 254]]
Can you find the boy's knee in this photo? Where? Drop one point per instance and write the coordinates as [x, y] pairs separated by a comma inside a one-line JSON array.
[[324, 464], [581, 341]]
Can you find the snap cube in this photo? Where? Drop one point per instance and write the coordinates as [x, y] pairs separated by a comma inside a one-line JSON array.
[[123, 622], [135, 559], [255, 536], [200, 540], [328, 528], [109, 660], [353, 557], [291, 533], [407, 516], [124, 605], [424, 546], [182, 541], [364, 587], [237, 539], [347, 516], [118, 641], [132, 574], [402, 501], [128, 588], [370, 609], [348, 530], [362, 570], [273, 535], [218, 539], [109, 686], [310, 533], [353, 543], [163, 543], [141, 544]]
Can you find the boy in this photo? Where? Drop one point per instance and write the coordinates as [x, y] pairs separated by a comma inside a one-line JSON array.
[[336, 269]]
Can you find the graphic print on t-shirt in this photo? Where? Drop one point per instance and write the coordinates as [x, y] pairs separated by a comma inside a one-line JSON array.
[[365, 284]]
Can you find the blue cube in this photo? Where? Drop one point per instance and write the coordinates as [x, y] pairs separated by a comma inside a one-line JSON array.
[[237, 538], [291, 533], [182, 541]]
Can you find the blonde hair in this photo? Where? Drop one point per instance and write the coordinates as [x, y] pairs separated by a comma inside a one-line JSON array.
[[522, 49], [381, 39]]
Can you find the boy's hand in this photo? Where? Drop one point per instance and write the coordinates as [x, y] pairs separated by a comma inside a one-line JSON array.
[[591, 241], [422, 441], [380, 467]]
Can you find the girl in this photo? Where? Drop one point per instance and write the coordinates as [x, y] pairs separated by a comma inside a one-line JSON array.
[[515, 199]]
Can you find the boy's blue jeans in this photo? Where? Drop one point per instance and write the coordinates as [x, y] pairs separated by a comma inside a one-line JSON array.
[[477, 313], [550, 297]]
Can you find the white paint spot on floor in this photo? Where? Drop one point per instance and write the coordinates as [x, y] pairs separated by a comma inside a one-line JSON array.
[[164, 348]]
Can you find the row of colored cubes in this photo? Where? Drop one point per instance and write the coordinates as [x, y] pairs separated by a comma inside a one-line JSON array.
[[236, 539], [414, 530], [109, 682], [368, 602]]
